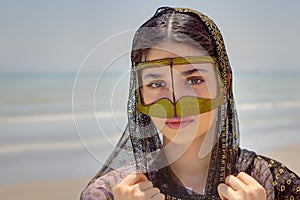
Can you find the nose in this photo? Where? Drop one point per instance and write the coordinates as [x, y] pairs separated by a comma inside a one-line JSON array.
[[178, 88], [178, 92]]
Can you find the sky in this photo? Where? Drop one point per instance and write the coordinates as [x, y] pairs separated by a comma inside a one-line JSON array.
[[60, 35]]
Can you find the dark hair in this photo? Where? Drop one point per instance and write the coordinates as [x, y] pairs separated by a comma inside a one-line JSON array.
[[168, 24]]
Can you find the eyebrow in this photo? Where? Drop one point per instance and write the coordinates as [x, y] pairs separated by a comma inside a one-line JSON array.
[[153, 76], [191, 71], [184, 73]]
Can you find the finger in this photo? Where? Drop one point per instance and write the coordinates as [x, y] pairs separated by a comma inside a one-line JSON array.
[[235, 183], [225, 192], [221, 191], [159, 196], [152, 192], [247, 179], [222, 197], [145, 185], [255, 188], [134, 178]]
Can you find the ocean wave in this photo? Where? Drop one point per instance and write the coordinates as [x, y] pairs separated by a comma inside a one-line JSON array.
[[54, 145], [268, 105], [62, 117]]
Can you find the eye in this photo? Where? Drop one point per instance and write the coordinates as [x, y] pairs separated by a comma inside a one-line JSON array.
[[156, 84], [195, 80]]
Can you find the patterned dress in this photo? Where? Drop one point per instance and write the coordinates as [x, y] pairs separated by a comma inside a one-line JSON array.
[[278, 181]]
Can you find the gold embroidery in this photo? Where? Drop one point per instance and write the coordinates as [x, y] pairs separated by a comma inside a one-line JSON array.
[[297, 189], [96, 194], [169, 197], [259, 157], [100, 183], [269, 165], [292, 175]]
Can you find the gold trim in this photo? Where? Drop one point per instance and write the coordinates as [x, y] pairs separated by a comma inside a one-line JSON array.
[[175, 61]]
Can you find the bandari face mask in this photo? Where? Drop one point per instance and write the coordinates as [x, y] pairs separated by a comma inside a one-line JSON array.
[[187, 105]]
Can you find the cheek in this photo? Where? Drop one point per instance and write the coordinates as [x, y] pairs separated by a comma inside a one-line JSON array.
[[206, 120], [158, 122]]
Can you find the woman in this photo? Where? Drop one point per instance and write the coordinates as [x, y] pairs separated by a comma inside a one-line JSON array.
[[182, 137]]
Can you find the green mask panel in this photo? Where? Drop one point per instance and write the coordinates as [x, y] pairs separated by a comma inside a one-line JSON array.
[[186, 105]]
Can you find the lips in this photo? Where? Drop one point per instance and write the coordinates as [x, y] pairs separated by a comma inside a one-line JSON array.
[[176, 123]]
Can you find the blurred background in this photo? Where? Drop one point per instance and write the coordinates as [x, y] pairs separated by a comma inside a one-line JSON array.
[[64, 73]]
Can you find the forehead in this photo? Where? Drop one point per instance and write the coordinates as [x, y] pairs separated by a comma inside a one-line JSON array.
[[206, 69], [172, 49]]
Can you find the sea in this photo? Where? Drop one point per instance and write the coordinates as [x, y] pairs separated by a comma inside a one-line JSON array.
[[63, 125]]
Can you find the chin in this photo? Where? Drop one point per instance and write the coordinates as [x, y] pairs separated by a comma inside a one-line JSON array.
[[181, 136]]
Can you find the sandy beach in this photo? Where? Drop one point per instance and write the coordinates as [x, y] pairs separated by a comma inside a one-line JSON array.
[[46, 190], [70, 189]]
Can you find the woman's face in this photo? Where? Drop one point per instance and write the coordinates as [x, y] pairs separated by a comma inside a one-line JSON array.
[[197, 80]]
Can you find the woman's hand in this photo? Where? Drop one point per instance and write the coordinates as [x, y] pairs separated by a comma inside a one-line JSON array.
[[242, 186], [136, 186]]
